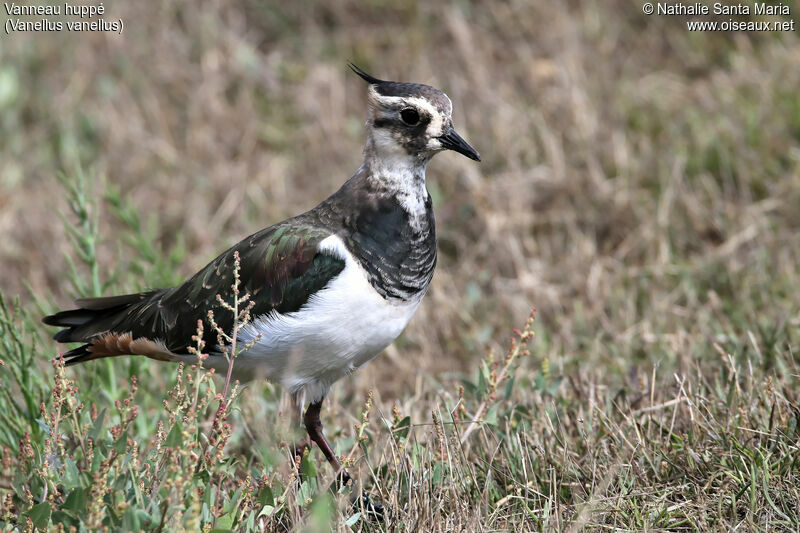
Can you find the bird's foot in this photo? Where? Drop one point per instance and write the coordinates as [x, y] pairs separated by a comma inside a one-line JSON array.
[[342, 480], [370, 509]]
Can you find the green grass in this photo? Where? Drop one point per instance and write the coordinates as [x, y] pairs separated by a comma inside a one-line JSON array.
[[639, 188], [510, 447]]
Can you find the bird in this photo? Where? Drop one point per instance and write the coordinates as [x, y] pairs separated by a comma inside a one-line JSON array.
[[330, 288]]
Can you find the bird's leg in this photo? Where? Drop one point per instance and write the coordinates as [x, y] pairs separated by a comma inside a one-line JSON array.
[[363, 503], [314, 428]]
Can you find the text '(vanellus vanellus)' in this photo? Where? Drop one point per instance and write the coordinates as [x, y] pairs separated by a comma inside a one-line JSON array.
[[331, 288]]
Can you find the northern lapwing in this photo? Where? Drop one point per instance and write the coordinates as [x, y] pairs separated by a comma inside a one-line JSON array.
[[331, 287]]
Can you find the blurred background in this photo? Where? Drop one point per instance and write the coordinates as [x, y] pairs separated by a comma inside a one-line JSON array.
[[640, 183]]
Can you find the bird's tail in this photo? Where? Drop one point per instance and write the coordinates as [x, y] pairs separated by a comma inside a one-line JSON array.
[[93, 322]]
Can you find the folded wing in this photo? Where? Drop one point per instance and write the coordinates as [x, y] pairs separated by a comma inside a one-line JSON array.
[[280, 267]]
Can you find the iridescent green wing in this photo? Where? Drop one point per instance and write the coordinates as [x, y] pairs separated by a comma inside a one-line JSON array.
[[280, 268]]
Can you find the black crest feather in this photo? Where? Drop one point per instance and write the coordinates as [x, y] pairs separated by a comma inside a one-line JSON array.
[[366, 77]]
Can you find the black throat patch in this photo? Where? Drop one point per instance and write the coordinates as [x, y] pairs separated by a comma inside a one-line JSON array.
[[398, 256]]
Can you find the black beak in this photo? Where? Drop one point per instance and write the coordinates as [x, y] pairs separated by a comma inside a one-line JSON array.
[[453, 141]]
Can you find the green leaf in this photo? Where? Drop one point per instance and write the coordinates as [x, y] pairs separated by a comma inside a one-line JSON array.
[[76, 502], [509, 387], [19, 484], [321, 513], [483, 380], [438, 474], [144, 518], [491, 415], [266, 511], [98, 425], [72, 478], [40, 515], [470, 388], [353, 519], [203, 475], [61, 517], [175, 437], [130, 520], [99, 457], [403, 427], [304, 493], [121, 446], [224, 523], [308, 467], [265, 496], [232, 504], [42, 425], [539, 382]]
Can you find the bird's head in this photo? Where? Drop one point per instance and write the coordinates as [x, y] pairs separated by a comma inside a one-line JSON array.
[[410, 121]]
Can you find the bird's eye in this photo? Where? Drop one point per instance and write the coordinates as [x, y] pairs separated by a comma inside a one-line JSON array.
[[410, 116]]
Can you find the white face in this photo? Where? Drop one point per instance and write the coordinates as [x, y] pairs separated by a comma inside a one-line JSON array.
[[408, 125]]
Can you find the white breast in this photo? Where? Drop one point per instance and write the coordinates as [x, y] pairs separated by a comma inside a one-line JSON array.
[[340, 328]]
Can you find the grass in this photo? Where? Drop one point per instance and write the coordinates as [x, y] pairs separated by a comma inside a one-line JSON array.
[[639, 187]]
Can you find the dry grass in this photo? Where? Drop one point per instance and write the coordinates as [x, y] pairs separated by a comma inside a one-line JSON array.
[[640, 187]]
